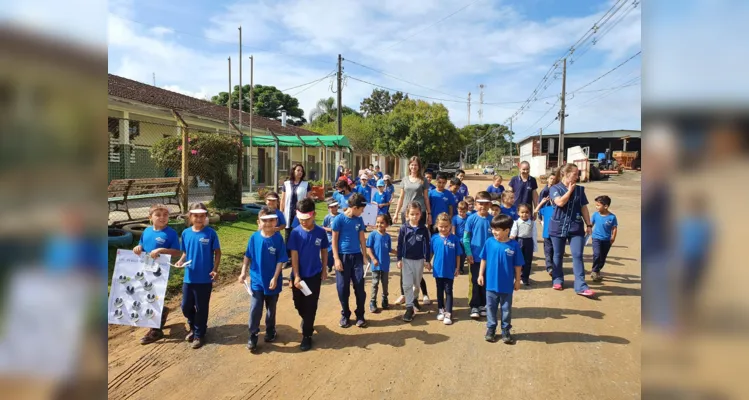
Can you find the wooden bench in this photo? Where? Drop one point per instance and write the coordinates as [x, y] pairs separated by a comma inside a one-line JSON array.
[[120, 191]]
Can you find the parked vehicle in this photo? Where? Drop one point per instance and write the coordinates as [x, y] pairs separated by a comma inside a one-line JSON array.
[[489, 170]]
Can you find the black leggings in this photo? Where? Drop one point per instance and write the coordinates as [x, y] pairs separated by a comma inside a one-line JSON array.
[[423, 286]]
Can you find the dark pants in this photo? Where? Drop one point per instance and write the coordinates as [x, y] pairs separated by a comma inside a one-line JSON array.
[[353, 273], [256, 312], [496, 302], [577, 243], [549, 254], [288, 234], [423, 286], [478, 293], [526, 246], [462, 263], [600, 251], [195, 300], [307, 305], [445, 294], [331, 260]]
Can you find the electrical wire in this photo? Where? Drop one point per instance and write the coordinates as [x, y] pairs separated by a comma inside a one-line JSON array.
[[305, 84], [401, 79], [607, 72], [407, 93]]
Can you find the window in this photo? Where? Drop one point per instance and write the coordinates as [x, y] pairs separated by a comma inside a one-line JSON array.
[[113, 127], [283, 160]]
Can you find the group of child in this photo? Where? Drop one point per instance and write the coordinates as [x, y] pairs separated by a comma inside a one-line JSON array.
[[496, 239]]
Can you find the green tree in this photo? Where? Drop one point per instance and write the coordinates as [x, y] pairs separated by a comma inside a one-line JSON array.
[[488, 142], [359, 131], [267, 102], [380, 102], [209, 158], [325, 111]]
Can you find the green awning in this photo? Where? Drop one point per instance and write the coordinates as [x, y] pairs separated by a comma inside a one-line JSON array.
[[293, 141]]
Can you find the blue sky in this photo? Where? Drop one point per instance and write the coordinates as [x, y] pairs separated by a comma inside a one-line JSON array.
[[506, 45]]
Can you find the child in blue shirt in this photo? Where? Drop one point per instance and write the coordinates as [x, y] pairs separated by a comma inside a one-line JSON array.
[[308, 244], [441, 200], [326, 224], [455, 190], [545, 210], [501, 264], [459, 225], [379, 249], [463, 190], [343, 194], [471, 203], [389, 185], [157, 239], [264, 257], [429, 176], [414, 253], [378, 173], [508, 205], [364, 188], [477, 232], [200, 246], [496, 186], [271, 200], [382, 198], [605, 227], [447, 250], [348, 245]]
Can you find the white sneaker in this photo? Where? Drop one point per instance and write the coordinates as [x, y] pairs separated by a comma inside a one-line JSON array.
[[447, 320], [440, 315], [482, 311], [401, 300], [425, 301], [474, 313]]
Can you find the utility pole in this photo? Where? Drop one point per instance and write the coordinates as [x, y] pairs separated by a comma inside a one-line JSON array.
[[241, 136], [228, 102], [512, 160], [154, 79], [252, 73], [240, 77], [481, 106], [338, 93], [561, 160], [469, 108]]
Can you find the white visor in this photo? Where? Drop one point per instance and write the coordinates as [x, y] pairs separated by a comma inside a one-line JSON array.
[[198, 211], [333, 204], [483, 201], [271, 198], [269, 216]]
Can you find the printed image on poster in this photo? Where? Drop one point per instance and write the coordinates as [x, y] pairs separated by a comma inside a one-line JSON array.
[[370, 214], [138, 288]]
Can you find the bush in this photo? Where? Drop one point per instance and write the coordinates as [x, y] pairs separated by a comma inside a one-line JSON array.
[[209, 157]]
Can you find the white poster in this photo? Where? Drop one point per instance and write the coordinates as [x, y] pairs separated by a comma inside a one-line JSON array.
[[370, 214], [138, 289]]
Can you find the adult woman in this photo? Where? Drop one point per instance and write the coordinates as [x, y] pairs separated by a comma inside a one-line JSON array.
[[414, 188], [524, 186], [340, 170], [570, 222], [295, 188]]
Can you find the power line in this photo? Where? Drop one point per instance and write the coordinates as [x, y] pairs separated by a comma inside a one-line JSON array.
[[313, 85], [629, 83], [606, 29], [542, 117], [406, 92], [305, 84], [431, 25], [401, 79], [608, 72]]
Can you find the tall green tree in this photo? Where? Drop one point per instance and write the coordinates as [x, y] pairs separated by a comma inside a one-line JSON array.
[[380, 102], [326, 111], [267, 102], [487, 142], [359, 131]]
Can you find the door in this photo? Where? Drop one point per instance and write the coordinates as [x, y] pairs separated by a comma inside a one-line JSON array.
[[261, 166]]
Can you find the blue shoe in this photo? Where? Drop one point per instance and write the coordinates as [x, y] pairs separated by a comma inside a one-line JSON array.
[[344, 322]]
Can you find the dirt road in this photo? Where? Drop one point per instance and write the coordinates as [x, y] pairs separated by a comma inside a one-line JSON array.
[[567, 346]]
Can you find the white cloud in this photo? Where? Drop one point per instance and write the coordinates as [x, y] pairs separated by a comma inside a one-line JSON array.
[[161, 31]]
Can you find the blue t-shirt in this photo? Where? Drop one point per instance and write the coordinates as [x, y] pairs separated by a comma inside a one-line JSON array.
[[568, 220], [546, 213], [498, 190], [365, 191], [523, 190], [441, 201], [281, 219], [264, 254], [695, 237], [543, 193], [372, 183], [458, 196], [379, 175], [480, 230], [381, 198], [463, 190], [198, 248], [602, 226], [308, 245], [348, 233], [432, 187], [460, 225], [501, 260], [390, 189], [326, 223], [152, 239], [471, 212], [512, 211], [342, 200], [380, 245], [445, 249]]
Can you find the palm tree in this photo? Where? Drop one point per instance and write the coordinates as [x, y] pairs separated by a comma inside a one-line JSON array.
[[324, 112]]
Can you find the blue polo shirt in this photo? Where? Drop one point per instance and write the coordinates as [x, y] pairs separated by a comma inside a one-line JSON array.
[[512, 211], [380, 245], [480, 230], [365, 191], [546, 213], [498, 190], [326, 223], [379, 174], [602, 226], [264, 254], [459, 224], [348, 233], [281, 219], [501, 260], [152, 239], [390, 189], [445, 250], [543, 193], [308, 244], [381, 198], [441, 202], [342, 200], [523, 190], [463, 190], [458, 196], [198, 248], [568, 220]]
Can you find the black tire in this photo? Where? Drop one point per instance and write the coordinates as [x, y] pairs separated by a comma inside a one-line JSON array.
[[120, 238], [135, 229]]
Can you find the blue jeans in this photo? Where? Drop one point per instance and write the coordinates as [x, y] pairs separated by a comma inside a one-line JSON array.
[[195, 300], [549, 254], [256, 312], [493, 302], [353, 272], [577, 243]]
